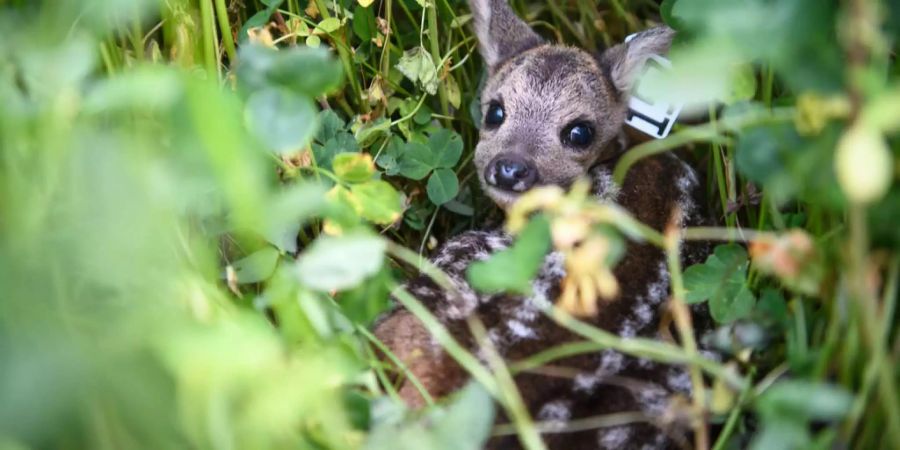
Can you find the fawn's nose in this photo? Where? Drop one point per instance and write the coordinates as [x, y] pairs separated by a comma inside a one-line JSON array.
[[511, 173]]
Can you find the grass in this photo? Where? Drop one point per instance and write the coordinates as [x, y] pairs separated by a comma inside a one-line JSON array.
[[150, 232]]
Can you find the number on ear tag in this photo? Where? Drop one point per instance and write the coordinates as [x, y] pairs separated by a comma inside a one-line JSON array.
[[653, 117]]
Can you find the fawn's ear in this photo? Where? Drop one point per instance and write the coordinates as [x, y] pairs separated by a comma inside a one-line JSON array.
[[624, 61], [501, 34]]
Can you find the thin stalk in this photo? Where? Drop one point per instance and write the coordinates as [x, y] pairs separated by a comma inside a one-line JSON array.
[[346, 59], [575, 425], [719, 171], [108, 63], [702, 133], [397, 362], [768, 86], [437, 209], [511, 399], [870, 328], [560, 15], [682, 316], [137, 39], [443, 337], [379, 369], [433, 35], [426, 267], [208, 38], [801, 336], [645, 348], [385, 61], [733, 417], [555, 353], [225, 29], [865, 304], [723, 234]]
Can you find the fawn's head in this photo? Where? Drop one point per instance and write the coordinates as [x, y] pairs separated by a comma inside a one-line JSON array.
[[550, 112]]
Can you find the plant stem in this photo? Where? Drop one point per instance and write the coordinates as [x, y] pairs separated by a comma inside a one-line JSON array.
[[685, 328], [411, 377], [511, 399], [575, 425], [733, 417], [433, 35], [210, 60], [645, 348], [346, 59], [702, 133], [225, 29], [443, 337]]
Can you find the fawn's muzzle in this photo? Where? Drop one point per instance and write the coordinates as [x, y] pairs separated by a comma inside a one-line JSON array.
[[511, 173]]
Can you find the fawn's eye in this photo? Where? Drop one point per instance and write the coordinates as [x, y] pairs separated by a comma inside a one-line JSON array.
[[578, 134], [495, 115]]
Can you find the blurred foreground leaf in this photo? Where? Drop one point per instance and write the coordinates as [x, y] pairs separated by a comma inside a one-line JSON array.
[[337, 263], [262, 67], [283, 121], [463, 424], [256, 267], [514, 268]]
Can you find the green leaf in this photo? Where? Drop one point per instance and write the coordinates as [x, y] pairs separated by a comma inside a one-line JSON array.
[[364, 303], [447, 147], [343, 142], [259, 19], [364, 23], [732, 305], [283, 121], [332, 125], [785, 434], [422, 115], [514, 268], [369, 132], [722, 281], [460, 208], [463, 424], [416, 161], [442, 186], [804, 400], [377, 201], [353, 167], [148, 88], [773, 307], [743, 83], [665, 11], [417, 65], [288, 211], [389, 158], [304, 70], [338, 263], [256, 267], [454, 94], [329, 25], [472, 410]]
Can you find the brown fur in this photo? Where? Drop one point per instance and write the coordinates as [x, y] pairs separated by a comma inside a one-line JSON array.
[[544, 88]]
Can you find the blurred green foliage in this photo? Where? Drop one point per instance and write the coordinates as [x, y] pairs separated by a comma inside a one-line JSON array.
[[167, 167]]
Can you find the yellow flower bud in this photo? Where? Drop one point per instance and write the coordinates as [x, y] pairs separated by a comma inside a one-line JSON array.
[[863, 164]]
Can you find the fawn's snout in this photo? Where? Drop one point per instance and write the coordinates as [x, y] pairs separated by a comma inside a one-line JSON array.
[[511, 172]]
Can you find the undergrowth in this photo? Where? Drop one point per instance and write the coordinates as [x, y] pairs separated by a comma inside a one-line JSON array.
[[204, 204]]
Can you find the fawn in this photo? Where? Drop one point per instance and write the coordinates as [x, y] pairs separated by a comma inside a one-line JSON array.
[[553, 114]]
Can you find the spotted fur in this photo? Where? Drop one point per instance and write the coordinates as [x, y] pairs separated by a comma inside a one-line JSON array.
[[543, 87]]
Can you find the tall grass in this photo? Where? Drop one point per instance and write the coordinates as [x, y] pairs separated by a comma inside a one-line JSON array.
[[171, 189]]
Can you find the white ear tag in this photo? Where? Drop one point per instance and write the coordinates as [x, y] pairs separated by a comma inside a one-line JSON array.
[[653, 117]]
